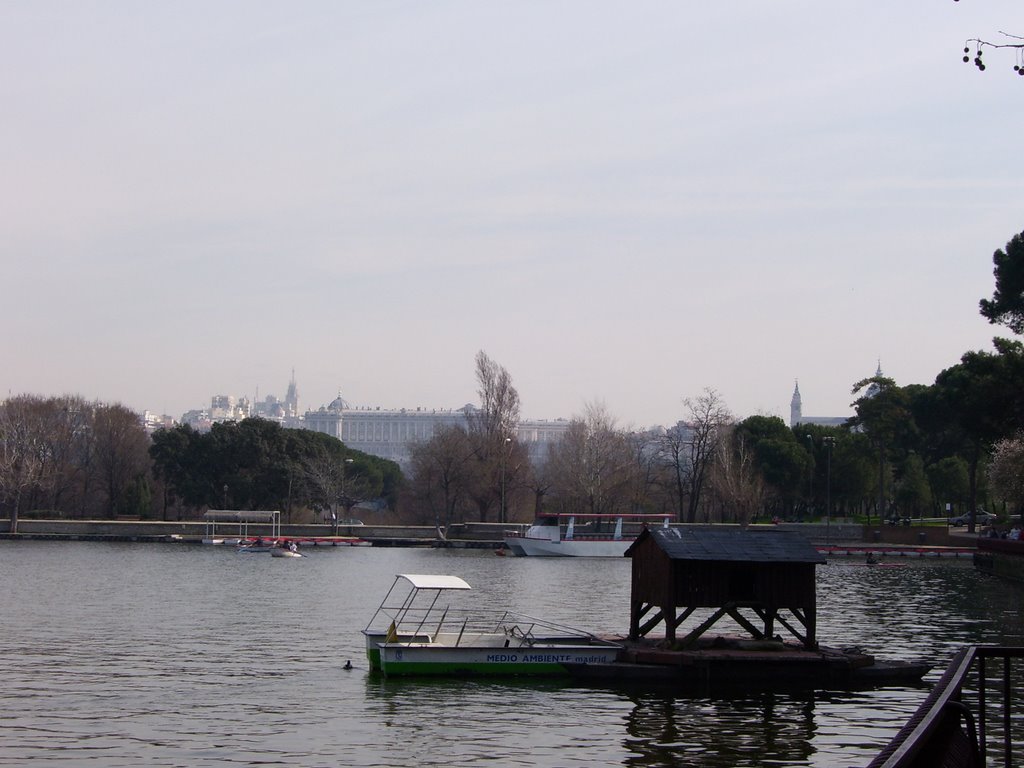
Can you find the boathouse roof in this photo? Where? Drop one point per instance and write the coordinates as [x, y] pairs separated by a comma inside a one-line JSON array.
[[752, 576], [772, 545]]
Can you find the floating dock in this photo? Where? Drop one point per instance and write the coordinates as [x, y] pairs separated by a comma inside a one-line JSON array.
[[740, 664], [893, 550]]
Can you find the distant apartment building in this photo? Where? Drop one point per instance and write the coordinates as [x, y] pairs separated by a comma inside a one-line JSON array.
[[153, 421], [229, 408], [199, 419]]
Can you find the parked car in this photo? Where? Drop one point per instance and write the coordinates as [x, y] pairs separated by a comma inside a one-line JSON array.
[[981, 517]]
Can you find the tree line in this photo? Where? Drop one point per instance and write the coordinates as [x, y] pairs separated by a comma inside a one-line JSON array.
[[258, 464], [68, 457], [83, 458], [908, 451]]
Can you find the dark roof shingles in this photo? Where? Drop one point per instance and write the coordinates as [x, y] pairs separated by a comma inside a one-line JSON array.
[[731, 545]]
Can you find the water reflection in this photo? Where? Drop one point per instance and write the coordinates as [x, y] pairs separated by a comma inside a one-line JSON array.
[[518, 721], [778, 728]]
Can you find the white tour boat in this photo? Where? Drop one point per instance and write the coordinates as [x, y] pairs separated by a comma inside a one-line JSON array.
[[579, 535], [414, 633]]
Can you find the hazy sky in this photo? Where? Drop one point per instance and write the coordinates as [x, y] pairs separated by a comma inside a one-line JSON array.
[[621, 203]]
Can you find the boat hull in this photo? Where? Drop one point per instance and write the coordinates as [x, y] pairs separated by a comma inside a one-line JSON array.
[[374, 640], [529, 547], [571, 535], [402, 659]]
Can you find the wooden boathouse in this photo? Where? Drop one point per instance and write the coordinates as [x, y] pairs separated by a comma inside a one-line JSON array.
[[759, 578]]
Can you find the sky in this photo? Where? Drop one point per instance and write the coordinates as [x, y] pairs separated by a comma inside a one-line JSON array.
[[623, 204]]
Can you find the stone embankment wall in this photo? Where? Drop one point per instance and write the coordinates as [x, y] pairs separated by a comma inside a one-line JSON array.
[[137, 530], [834, 533], [1001, 557], [916, 535], [461, 534]]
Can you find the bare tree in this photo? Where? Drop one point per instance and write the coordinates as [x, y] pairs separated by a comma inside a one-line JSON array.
[[540, 480], [691, 446], [68, 436], [324, 475], [1013, 42], [709, 417], [57, 438], [441, 469], [647, 473], [592, 463], [492, 431], [23, 460], [498, 415], [736, 477], [674, 453], [122, 452]]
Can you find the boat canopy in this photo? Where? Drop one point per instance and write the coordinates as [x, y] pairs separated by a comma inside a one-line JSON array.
[[241, 519], [245, 516], [432, 581]]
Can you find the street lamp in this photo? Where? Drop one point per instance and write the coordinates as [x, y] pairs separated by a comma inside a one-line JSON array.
[[829, 445], [810, 481], [504, 451]]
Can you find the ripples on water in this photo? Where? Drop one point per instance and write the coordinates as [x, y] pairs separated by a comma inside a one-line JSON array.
[[179, 655]]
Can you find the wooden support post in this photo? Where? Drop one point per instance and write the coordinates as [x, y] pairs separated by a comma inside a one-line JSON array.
[[684, 616], [793, 631], [648, 626], [634, 619], [637, 610], [696, 633], [739, 618], [768, 617]]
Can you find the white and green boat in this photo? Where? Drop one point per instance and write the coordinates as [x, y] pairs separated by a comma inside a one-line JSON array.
[[415, 632]]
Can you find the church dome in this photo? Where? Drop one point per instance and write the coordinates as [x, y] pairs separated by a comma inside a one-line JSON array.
[[338, 404]]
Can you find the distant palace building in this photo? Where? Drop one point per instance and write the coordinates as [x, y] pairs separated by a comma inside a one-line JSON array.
[[389, 434]]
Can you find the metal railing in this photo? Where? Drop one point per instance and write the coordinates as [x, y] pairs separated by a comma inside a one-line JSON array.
[[955, 726]]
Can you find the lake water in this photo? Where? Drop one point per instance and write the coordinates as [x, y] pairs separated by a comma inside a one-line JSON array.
[[184, 655]]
